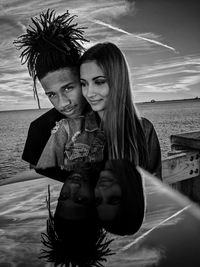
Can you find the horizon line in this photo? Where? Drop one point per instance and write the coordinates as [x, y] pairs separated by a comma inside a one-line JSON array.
[[152, 101]]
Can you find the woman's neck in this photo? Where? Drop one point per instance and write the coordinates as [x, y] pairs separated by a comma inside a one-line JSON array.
[[101, 115]]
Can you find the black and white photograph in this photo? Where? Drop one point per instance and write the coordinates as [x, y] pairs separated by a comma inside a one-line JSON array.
[[100, 133]]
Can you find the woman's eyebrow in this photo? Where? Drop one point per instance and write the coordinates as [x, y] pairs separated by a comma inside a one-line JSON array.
[[99, 76], [94, 78]]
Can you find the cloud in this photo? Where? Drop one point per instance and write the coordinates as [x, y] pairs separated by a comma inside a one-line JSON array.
[[9, 27], [175, 75], [137, 36], [131, 5], [172, 75]]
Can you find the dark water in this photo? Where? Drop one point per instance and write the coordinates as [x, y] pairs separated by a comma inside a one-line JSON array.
[[168, 118], [169, 236]]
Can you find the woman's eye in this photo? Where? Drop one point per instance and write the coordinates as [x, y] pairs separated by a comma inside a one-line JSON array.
[[100, 82], [114, 200], [82, 84]]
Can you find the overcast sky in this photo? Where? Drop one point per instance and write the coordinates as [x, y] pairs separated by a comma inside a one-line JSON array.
[[160, 39]]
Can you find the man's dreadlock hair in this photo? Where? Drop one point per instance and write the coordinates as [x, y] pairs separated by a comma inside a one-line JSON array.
[[86, 246], [51, 43]]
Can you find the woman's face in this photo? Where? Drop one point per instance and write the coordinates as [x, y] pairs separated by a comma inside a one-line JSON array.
[[107, 194], [94, 86]]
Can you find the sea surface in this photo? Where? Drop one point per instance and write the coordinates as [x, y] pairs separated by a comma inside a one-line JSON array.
[[167, 117], [170, 233], [168, 237]]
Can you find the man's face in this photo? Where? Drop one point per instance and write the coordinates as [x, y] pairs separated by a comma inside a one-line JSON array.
[[64, 91], [76, 197]]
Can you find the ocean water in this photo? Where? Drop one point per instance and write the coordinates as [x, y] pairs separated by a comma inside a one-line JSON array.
[[167, 117]]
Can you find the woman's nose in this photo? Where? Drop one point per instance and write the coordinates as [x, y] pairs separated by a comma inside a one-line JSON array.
[[98, 198], [91, 91]]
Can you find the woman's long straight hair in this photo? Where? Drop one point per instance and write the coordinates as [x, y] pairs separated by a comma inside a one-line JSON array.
[[122, 126]]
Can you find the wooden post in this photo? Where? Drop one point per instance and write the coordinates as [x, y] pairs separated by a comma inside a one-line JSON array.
[[182, 168]]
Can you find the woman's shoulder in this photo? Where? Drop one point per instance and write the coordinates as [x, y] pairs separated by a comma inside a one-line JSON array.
[[146, 123]]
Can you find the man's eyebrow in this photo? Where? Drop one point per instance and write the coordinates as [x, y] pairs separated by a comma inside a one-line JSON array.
[[62, 87], [67, 84]]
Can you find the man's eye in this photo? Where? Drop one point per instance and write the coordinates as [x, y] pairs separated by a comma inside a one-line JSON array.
[[63, 196], [75, 177], [51, 95], [69, 88]]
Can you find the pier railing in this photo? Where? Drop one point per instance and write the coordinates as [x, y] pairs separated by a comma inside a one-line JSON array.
[[181, 169]]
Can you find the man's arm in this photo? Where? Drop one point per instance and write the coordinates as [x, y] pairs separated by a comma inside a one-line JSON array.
[[38, 135]]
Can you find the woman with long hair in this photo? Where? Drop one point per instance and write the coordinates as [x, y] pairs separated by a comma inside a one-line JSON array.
[[106, 86], [131, 140]]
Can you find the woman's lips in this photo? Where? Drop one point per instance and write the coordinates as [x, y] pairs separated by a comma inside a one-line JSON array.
[[94, 102]]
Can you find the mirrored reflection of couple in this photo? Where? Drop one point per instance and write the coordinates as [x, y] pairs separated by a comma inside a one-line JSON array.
[[91, 141]]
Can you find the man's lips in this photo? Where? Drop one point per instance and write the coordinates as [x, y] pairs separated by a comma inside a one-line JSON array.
[[69, 109]]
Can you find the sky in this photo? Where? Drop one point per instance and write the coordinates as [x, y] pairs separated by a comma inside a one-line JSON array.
[[160, 39]]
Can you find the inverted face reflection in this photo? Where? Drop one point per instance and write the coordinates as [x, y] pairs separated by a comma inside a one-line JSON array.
[[64, 91], [76, 197], [94, 86], [107, 194]]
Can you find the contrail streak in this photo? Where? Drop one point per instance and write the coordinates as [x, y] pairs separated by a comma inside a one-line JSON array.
[[128, 33], [149, 231]]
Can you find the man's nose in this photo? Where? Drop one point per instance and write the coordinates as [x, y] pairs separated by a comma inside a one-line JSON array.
[[63, 101], [74, 188]]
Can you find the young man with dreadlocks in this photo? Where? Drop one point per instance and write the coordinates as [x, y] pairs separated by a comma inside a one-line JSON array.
[[52, 49]]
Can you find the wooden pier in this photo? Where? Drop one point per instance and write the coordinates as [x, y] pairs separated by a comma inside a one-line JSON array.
[[181, 169]]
